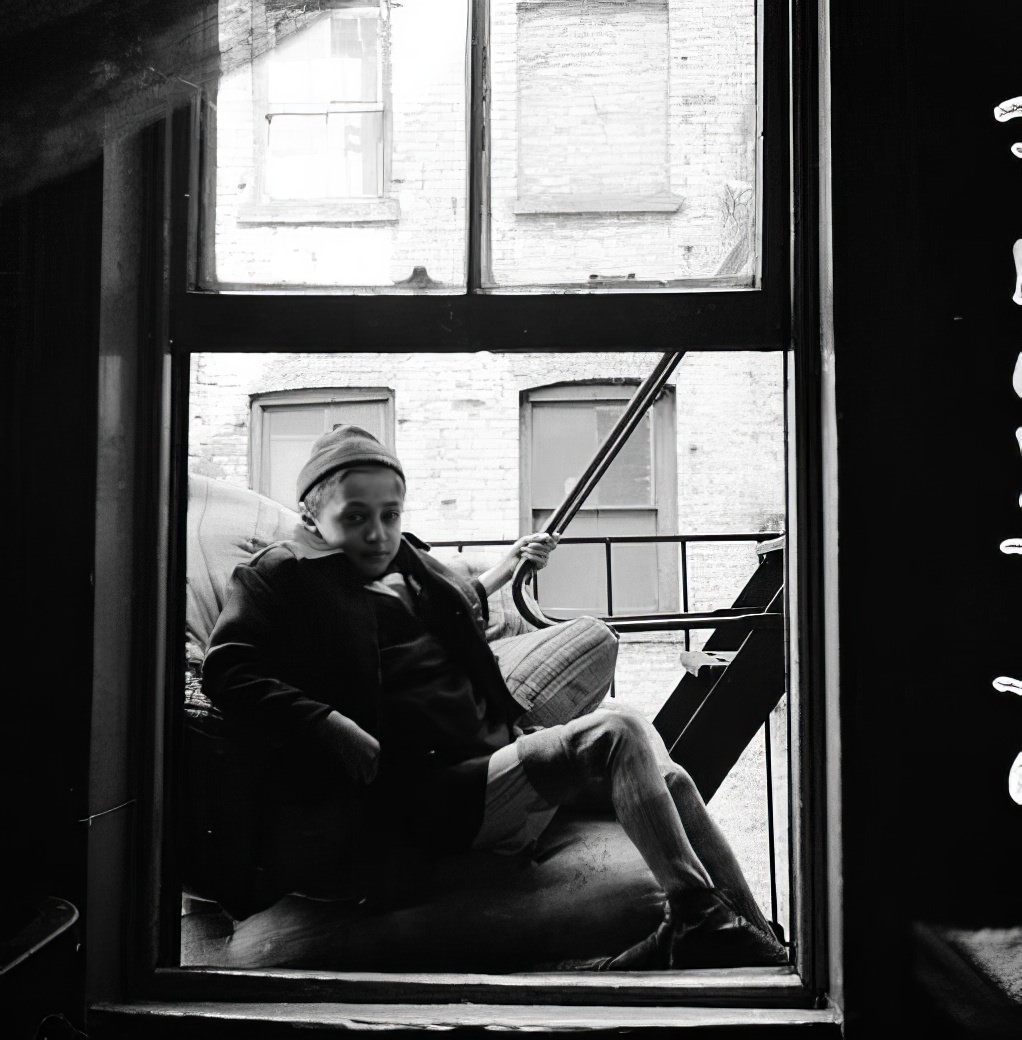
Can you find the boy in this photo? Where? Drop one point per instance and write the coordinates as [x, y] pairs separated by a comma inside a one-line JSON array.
[[349, 652]]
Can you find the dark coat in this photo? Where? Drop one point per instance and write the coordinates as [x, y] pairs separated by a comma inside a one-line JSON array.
[[297, 639]]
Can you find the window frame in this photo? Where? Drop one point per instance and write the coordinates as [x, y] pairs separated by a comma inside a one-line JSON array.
[[178, 320]]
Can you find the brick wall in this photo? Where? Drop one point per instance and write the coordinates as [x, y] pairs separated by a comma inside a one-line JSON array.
[[458, 433]]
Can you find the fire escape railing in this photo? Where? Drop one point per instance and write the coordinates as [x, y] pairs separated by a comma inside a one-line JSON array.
[[683, 620]]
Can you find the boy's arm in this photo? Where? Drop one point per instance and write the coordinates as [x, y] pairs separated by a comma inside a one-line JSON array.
[[356, 752], [534, 547], [240, 679]]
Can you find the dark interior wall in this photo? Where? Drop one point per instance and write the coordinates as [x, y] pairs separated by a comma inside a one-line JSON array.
[[970, 217], [926, 205], [50, 271]]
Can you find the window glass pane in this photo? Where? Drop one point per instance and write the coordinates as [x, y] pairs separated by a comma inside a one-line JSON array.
[[338, 148], [332, 155], [354, 141], [288, 436], [300, 69], [289, 430], [566, 436], [623, 142], [628, 481], [296, 157], [575, 580], [355, 53]]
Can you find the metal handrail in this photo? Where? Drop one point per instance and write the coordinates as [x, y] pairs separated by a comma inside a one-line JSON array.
[[637, 407], [682, 621]]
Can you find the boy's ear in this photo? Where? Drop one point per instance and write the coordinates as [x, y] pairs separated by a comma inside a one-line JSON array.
[[308, 523]]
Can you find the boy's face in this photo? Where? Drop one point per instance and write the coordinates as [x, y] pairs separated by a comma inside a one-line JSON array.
[[363, 518]]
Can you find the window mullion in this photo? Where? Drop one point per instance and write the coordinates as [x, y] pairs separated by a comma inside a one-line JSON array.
[[478, 162]]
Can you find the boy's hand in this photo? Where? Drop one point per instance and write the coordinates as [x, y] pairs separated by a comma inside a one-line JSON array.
[[536, 548], [357, 751], [533, 547]]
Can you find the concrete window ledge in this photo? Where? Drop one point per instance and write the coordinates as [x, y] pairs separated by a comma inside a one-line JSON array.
[[341, 211], [195, 1021], [666, 203]]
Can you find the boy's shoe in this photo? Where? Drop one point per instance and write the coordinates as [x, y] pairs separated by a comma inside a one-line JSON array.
[[650, 954], [709, 932], [702, 929]]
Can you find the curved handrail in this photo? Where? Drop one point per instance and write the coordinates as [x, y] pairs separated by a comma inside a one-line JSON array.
[[629, 419]]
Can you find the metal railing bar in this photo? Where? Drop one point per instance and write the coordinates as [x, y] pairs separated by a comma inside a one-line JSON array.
[[771, 849], [610, 577], [684, 621], [740, 536], [679, 623], [720, 613]]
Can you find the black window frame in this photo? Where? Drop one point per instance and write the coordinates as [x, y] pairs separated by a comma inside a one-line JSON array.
[[178, 319]]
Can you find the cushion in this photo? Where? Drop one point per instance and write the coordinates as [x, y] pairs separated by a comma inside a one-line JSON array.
[[555, 673], [226, 524], [558, 673], [585, 892]]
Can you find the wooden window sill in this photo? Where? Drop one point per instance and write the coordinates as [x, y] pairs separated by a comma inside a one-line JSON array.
[[144, 1020]]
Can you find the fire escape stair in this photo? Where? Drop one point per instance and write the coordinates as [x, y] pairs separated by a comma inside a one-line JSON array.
[[731, 685]]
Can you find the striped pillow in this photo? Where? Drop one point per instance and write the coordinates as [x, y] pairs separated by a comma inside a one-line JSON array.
[[558, 673]]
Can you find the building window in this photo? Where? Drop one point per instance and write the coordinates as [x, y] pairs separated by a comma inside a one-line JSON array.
[[325, 111], [607, 63], [285, 424], [622, 143], [562, 427], [304, 123]]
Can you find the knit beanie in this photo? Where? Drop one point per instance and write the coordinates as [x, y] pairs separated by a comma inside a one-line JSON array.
[[340, 448]]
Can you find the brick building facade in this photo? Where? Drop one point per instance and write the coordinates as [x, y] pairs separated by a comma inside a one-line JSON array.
[[621, 141]]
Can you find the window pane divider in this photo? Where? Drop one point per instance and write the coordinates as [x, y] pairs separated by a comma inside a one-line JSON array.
[[229, 322]]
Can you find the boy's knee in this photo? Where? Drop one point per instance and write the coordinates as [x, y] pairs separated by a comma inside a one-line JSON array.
[[619, 733], [681, 784], [626, 726]]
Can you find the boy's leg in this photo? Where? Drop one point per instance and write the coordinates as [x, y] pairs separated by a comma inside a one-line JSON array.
[[527, 780], [611, 748], [515, 814], [708, 840], [614, 748]]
